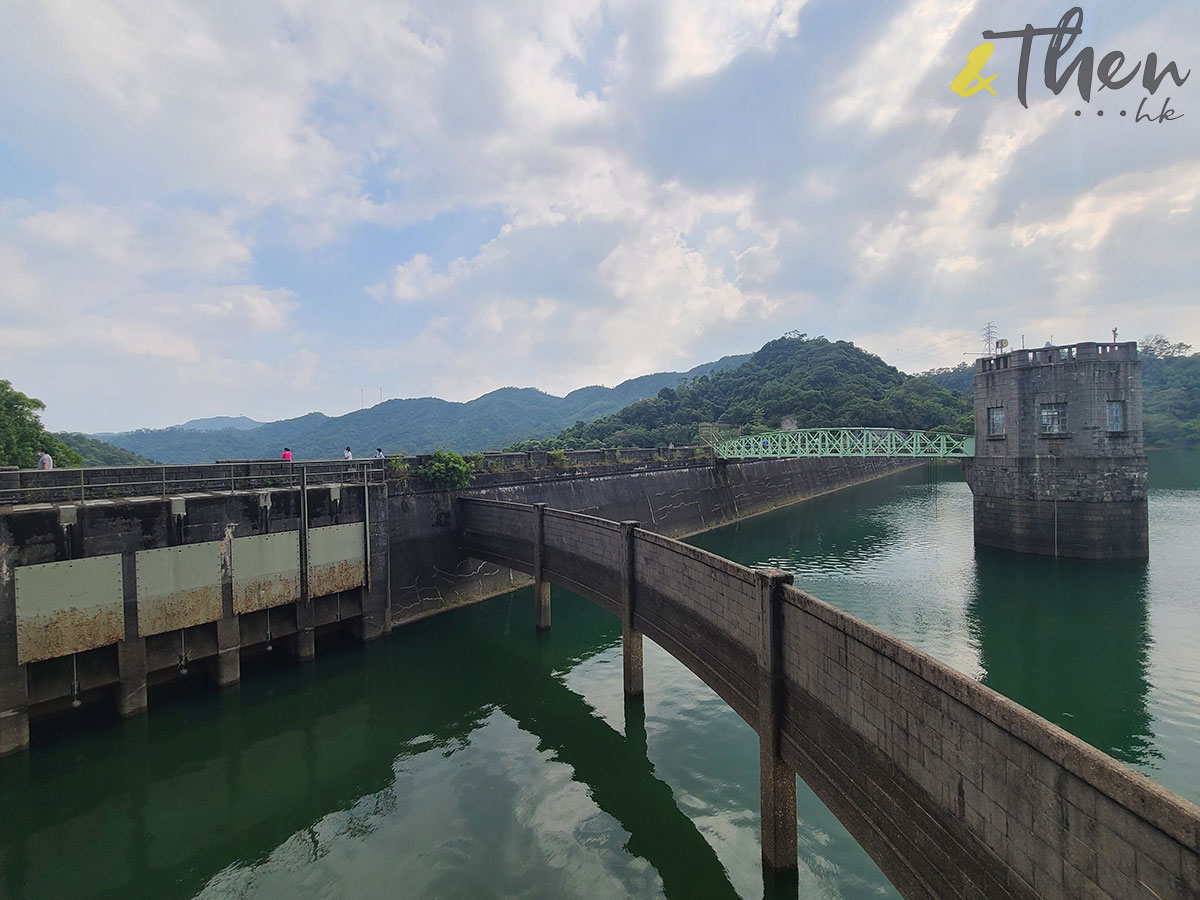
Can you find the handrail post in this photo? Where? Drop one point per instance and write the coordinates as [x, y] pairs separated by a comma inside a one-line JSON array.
[[541, 587], [631, 638], [777, 780]]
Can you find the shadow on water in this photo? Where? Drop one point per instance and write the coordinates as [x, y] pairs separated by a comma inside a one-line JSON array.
[[1070, 640], [155, 806]]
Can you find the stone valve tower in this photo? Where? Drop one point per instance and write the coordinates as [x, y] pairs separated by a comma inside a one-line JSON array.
[[1060, 466]]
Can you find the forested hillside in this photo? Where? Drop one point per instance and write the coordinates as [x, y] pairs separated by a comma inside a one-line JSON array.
[[818, 383], [414, 426], [1170, 393], [98, 453], [21, 432]]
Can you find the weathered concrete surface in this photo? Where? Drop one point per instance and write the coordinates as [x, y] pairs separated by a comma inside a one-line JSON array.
[[121, 595], [952, 789], [266, 571], [430, 573], [178, 587], [68, 607], [1079, 489]]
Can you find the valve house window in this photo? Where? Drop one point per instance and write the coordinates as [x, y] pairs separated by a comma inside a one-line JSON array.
[[995, 420], [1054, 418], [1115, 420]]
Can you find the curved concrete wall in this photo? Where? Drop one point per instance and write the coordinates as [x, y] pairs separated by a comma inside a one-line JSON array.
[[954, 790]]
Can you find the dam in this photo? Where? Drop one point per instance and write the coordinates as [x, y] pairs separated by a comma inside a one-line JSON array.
[[679, 492]]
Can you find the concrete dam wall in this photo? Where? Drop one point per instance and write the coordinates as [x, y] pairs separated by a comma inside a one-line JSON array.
[[430, 571], [120, 579], [952, 789]]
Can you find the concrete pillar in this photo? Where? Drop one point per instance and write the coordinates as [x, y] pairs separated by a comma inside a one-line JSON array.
[[14, 709], [777, 780], [376, 593], [304, 643], [541, 587], [14, 685], [131, 652], [631, 638], [227, 668]]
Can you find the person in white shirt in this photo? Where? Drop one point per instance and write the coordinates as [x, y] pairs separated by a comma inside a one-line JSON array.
[[379, 453], [347, 454], [45, 460]]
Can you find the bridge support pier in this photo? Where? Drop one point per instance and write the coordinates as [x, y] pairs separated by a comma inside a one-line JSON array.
[[131, 668], [228, 666], [631, 638], [777, 780], [304, 644], [14, 709], [131, 652], [541, 587]]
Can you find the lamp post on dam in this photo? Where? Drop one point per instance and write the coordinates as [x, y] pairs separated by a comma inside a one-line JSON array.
[[1060, 465]]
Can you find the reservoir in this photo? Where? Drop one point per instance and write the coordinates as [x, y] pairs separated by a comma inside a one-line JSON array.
[[469, 756]]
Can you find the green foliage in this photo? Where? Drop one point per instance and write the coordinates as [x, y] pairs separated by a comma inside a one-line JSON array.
[[558, 458], [22, 435], [98, 453], [476, 462], [1170, 393], [820, 383], [398, 468], [960, 378], [446, 471]]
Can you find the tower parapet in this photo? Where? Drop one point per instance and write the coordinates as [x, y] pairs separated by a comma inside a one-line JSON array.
[[1060, 464]]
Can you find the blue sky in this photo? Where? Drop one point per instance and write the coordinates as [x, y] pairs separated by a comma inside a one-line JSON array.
[[274, 208]]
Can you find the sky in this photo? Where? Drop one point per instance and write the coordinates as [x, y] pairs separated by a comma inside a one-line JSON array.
[[221, 208]]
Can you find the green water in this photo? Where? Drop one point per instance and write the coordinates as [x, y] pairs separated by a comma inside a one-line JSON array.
[[468, 756]]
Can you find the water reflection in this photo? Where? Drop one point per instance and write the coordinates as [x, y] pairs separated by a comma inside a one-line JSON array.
[[1069, 639], [459, 725]]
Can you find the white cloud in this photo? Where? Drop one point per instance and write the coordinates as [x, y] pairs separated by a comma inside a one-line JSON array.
[[554, 193], [881, 90]]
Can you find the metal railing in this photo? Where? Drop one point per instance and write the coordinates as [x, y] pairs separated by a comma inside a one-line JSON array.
[[847, 442], [20, 486]]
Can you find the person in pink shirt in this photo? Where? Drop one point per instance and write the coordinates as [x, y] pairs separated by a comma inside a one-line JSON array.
[[287, 454]]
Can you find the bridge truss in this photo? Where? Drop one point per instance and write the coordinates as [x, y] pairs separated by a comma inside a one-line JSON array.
[[847, 442]]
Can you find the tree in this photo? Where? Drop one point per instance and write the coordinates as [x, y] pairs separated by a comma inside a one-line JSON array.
[[1158, 346], [446, 471], [22, 435]]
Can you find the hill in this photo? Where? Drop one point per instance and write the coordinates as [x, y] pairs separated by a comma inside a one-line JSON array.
[[960, 378], [216, 423], [1170, 393], [816, 382], [415, 425], [98, 453]]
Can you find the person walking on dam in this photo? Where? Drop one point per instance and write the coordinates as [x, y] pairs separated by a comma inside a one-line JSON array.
[[287, 454], [379, 453], [45, 460], [347, 454]]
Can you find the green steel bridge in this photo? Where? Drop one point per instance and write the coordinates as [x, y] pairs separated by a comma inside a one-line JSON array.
[[847, 442]]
